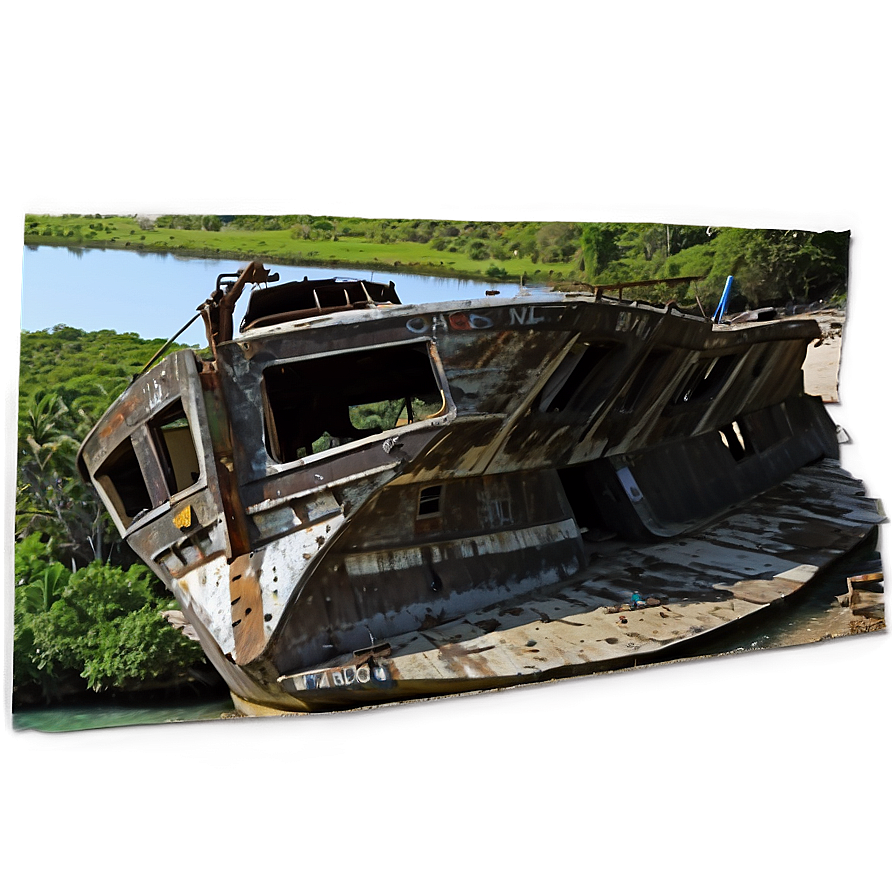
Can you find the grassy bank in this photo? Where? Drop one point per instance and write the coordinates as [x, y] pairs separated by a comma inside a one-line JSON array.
[[286, 247], [770, 267]]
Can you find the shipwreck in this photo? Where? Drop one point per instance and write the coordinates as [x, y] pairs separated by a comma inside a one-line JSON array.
[[358, 501]]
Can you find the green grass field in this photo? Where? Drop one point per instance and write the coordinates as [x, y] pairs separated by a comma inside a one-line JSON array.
[[280, 246]]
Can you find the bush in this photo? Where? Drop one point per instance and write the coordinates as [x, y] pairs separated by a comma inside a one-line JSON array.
[[107, 626], [39, 582], [497, 250], [186, 222], [552, 255]]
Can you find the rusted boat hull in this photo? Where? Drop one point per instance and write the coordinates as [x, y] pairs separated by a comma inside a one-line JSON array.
[[378, 502]]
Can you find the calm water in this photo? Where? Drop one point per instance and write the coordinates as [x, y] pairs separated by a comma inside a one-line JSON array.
[[154, 295], [85, 717]]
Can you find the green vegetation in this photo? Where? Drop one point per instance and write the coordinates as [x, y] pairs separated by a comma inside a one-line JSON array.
[[102, 624], [770, 266], [86, 613]]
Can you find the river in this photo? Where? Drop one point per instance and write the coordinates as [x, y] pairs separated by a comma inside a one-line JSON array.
[[154, 294]]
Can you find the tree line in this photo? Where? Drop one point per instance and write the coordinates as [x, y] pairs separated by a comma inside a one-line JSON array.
[[770, 267]]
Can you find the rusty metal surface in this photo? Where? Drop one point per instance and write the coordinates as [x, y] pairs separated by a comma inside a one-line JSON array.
[[247, 610], [585, 624], [567, 426]]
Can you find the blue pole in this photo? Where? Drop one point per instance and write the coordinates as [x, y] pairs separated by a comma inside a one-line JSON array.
[[723, 302]]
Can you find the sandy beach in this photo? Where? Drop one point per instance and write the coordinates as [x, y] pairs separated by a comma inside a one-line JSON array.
[[822, 366]]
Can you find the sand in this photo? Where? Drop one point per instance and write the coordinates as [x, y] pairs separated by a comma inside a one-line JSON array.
[[822, 366]]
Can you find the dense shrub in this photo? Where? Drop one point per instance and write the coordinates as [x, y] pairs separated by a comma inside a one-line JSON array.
[[106, 625]]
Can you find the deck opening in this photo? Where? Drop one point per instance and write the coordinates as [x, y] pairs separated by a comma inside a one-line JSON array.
[[175, 447], [326, 402], [591, 505], [121, 478]]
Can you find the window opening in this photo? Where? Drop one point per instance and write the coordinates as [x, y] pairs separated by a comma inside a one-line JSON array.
[[587, 370], [705, 381], [644, 378], [430, 501], [122, 480], [735, 440], [325, 402], [176, 449]]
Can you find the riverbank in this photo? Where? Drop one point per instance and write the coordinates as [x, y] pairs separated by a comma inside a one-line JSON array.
[[284, 247]]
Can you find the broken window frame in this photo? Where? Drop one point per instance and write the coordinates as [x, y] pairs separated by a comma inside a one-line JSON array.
[[163, 448], [645, 382], [117, 493], [742, 447], [272, 433], [151, 453]]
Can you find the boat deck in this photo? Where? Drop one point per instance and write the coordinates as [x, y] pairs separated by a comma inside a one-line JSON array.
[[756, 555]]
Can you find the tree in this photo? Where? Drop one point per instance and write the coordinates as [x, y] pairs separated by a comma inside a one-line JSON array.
[[39, 583], [600, 247], [50, 495], [798, 265]]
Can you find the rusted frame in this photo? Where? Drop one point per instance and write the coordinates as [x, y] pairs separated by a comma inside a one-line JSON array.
[[217, 310], [439, 378]]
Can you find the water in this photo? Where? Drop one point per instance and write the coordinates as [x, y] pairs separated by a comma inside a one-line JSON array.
[[83, 717], [155, 294]]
